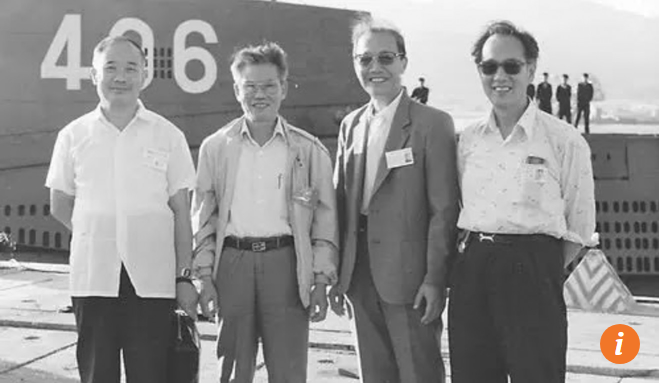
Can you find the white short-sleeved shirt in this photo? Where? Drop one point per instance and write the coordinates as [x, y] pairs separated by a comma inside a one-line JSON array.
[[122, 182]]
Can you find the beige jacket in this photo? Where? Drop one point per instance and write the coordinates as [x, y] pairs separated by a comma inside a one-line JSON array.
[[310, 195]]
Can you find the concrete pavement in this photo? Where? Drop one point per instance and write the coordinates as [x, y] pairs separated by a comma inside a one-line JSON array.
[[37, 342]]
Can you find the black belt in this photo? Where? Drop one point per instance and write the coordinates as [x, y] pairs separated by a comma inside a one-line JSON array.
[[259, 244], [506, 238]]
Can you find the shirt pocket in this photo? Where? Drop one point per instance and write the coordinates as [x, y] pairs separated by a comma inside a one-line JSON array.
[[534, 178], [152, 168]]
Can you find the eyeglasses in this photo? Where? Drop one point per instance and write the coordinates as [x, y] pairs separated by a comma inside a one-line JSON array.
[[384, 58], [511, 67], [251, 88]]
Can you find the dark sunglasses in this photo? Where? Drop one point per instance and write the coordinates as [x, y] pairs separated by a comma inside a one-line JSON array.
[[384, 58], [511, 67]]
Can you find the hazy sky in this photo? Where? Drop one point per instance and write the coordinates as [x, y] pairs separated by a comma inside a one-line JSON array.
[[648, 8], [404, 13]]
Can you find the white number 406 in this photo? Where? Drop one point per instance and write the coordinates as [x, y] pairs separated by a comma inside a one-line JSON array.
[[68, 36]]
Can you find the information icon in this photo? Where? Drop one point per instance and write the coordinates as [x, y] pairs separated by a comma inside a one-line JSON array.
[[620, 344]]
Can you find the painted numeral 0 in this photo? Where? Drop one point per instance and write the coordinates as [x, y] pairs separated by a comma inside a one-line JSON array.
[[146, 35], [68, 36]]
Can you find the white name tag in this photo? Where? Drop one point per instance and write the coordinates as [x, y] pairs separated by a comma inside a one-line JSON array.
[[536, 173], [156, 159], [398, 158]]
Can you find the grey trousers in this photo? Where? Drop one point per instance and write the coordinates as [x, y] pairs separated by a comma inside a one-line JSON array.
[[258, 299], [392, 344]]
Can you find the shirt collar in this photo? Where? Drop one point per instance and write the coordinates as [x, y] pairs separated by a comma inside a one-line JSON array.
[[141, 113], [388, 112], [279, 131], [526, 122]]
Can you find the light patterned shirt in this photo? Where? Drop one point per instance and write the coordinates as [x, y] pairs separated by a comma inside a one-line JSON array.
[[259, 207], [379, 125], [538, 180], [121, 181]]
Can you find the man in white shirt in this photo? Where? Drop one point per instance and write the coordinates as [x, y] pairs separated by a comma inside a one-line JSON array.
[[265, 222], [528, 209], [119, 179]]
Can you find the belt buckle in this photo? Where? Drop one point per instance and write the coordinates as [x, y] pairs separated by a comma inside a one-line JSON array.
[[258, 246], [489, 238]]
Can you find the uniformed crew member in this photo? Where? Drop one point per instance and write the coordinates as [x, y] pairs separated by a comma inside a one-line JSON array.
[[528, 207], [544, 94], [564, 97], [421, 92], [530, 91], [584, 97]]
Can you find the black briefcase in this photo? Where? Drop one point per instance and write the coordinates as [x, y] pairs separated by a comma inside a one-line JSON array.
[[184, 350]]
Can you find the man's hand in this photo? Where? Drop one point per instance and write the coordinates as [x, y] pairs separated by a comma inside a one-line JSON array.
[[318, 305], [434, 297], [208, 298], [572, 251], [187, 298], [337, 301]]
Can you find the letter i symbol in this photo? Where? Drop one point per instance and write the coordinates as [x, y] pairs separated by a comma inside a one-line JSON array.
[[619, 341], [615, 334]]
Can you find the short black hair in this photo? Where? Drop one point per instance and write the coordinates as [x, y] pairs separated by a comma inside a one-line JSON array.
[[109, 41], [506, 28], [367, 24], [266, 53], [545, 74], [422, 79], [585, 75], [565, 76]]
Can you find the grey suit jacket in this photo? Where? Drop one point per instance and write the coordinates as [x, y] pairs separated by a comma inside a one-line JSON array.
[[413, 210]]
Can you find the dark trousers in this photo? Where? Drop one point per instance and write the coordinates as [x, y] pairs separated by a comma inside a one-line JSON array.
[[140, 327], [393, 345], [259, 299], [506, 314], [564, 110], [585, 109], [545, 106]]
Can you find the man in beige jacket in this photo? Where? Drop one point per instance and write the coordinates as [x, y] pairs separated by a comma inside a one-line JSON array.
[[265, 226]]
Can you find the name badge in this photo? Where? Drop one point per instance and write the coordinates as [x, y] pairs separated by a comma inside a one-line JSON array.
[[156, 159], [535, 173], [398, 158]]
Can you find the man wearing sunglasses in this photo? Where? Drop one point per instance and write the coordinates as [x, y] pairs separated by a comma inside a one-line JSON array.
[[528, 209], [397, 196]]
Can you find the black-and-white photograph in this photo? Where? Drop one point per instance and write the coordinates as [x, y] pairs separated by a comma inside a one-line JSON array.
[[329, 191]]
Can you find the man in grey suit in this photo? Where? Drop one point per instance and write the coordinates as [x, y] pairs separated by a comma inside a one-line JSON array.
[[397, 197]]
